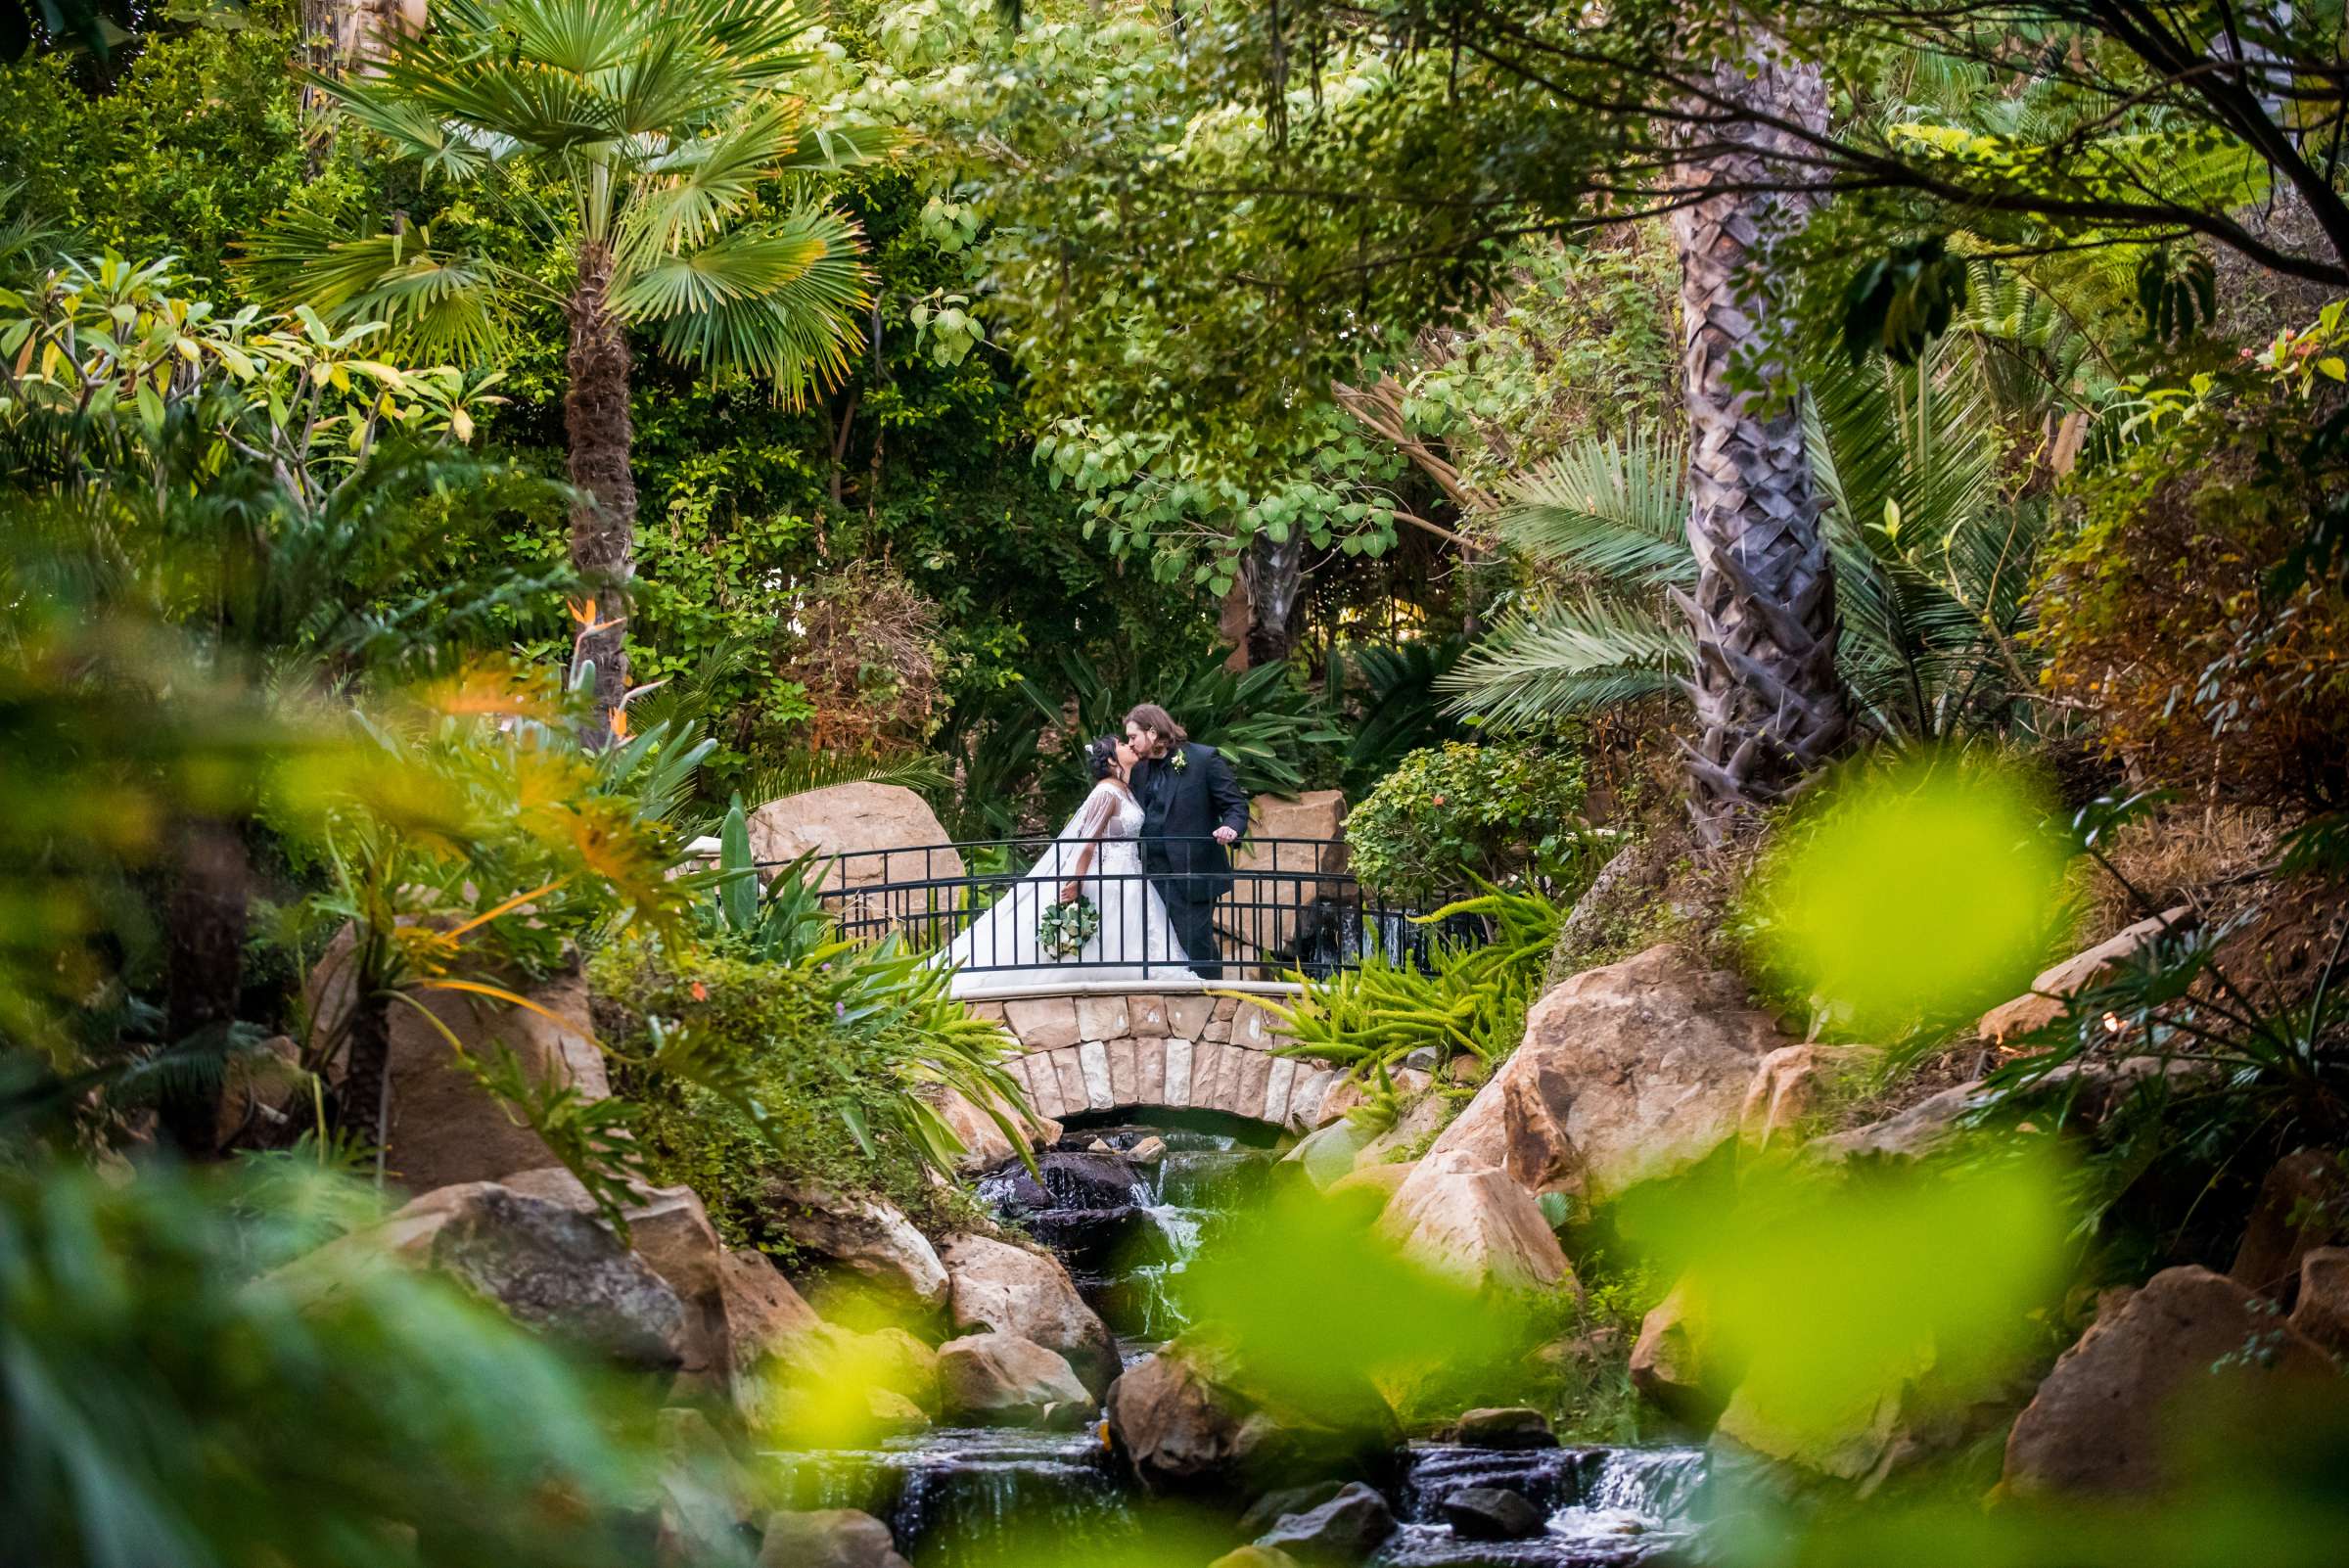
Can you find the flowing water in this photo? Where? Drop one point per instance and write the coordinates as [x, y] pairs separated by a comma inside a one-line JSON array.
[[957, 1498]]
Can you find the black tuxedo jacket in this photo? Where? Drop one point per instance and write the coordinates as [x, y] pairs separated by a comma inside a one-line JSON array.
[[1181, 808]]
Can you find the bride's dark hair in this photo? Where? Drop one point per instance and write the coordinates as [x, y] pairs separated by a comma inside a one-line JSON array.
[[1101, 757]]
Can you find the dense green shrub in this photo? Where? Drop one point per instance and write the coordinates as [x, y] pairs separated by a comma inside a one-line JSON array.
[[2166, 612], [835, 1049], [1499, 812]]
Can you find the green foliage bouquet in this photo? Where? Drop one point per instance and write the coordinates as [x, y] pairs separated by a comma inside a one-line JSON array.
[[1451, 813], [1063, 929]]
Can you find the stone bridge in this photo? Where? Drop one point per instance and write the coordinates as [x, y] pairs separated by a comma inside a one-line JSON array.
[[1128, 1046]]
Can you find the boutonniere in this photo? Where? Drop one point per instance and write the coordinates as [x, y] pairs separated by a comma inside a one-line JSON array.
[[1180, 760]]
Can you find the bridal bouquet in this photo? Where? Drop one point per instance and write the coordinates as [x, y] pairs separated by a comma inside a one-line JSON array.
[[1063, 929]]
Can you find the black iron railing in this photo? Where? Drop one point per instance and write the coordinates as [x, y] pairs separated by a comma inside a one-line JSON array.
[[1286, 906]]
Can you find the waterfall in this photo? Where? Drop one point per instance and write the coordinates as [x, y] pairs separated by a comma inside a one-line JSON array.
[[1127, 1232]]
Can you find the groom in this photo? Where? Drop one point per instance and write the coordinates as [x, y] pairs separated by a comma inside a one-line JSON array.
[[1192, 811]]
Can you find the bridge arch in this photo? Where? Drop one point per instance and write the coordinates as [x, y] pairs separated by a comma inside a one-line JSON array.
[[1140, 1046]]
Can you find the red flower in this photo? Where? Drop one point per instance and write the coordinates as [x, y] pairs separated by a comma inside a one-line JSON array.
[[701, 993], [1438, 800]]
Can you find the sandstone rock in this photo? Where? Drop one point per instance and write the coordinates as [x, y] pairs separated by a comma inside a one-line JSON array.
[[444, 1129], [825, 1383], [1316, 814], [984, 1143], [1376, 1184], [1668, 1362], [2302, 1205], [1148, 1151], [1341, 1533], [671, 1230], [1787, 1086], [1271, 1508], [699, 1516], [253, 1085], [1512, 1426], [827, 1538], [1628, 1073], [997, 1286], [2322, 1310], [1468, 1220], [1911, 1134], [1255, 1558], [2191, 1357], [760, 1308], [844, 819], [551, 1267], [1419, 1122], [2043, 1003], [1492, 1513], [1327, 1153], [1001, 1380], [1190, 1418], [886, 1266]]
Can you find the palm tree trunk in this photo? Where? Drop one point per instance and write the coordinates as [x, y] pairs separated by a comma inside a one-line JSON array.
[[603, 517], [1769, 707]]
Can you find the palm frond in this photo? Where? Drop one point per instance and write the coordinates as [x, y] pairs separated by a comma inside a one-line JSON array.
[[783, 303], [698, 185], [1579, 653], [440, 303], [1613, 510]]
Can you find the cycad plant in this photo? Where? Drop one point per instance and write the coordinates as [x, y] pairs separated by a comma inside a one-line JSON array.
[[652, 150], [1932, 560]]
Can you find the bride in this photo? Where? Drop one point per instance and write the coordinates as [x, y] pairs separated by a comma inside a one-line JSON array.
[[1096, 857]]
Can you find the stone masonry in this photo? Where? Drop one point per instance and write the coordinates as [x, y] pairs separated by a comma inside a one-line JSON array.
[[1112, 1053]]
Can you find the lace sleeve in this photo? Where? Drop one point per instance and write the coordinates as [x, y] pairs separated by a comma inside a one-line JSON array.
[[1079, 850]]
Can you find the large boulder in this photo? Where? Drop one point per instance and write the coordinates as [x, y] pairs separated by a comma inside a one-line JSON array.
[[1503, 1426], [2044, 1002], [1003, 1380], [1326, 1154], [2303, 1204], [1342, 1533], [1629, 1073], [872, 1263], [1788, 1086], [827, 1538], [830, 1387], [2322, 1312], [2193, 1360], [1291, 870], [761, 1310], [1192, 1419], [995, 1285], [1492, 1513], [442, 1128], [549, 1265], [847, 820], [671, 1230], [984, 1143], [1670, 1363], [1470, 1220]]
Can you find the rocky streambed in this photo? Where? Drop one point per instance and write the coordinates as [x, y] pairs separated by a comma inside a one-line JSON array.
[[1125, 1209]]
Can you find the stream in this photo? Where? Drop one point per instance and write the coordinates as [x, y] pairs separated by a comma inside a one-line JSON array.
[[994, 1497]]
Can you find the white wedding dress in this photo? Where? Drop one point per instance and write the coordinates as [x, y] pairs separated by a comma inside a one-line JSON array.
[[1135, 942]]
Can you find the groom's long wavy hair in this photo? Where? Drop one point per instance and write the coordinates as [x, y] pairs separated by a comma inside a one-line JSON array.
[[1157, 721]]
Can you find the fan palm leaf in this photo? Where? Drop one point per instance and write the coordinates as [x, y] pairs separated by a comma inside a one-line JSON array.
[[1617, 511]]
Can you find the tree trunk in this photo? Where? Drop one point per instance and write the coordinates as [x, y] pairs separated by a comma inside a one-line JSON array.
[[1275, 574], [204, 971], [1769, 707], [603, 518]]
